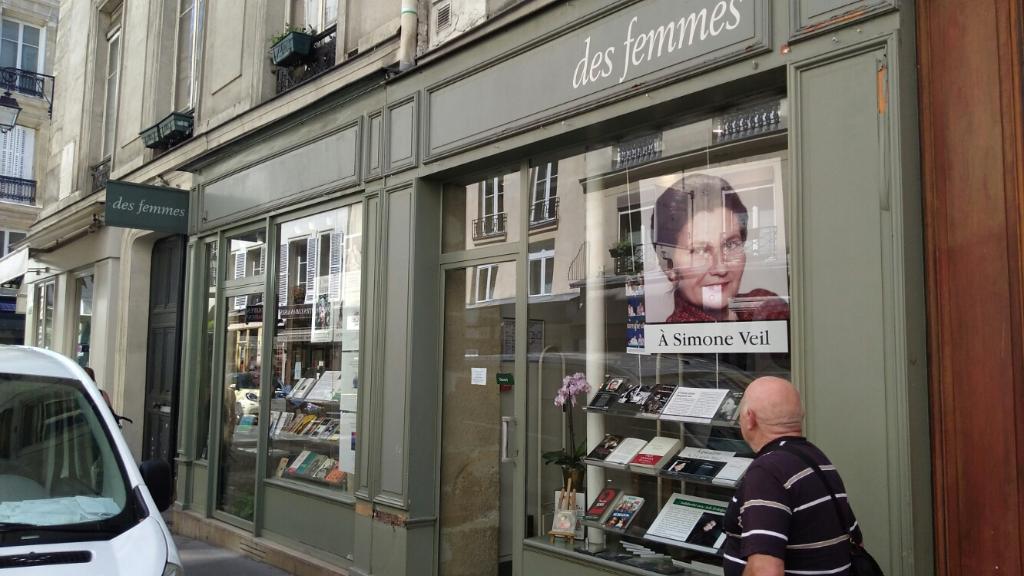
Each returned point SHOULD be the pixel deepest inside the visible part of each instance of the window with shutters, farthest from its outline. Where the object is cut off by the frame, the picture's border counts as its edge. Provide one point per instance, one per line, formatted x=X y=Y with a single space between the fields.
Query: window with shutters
x=17 y=148
x=21 y=46
x=247 y=258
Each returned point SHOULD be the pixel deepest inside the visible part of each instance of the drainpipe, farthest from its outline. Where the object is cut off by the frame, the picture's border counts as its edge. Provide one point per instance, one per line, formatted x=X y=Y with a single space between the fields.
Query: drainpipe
x=407 y=44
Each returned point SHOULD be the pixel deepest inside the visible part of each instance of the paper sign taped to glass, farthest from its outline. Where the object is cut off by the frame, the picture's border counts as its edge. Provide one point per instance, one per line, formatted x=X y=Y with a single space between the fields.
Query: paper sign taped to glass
x=716 y=277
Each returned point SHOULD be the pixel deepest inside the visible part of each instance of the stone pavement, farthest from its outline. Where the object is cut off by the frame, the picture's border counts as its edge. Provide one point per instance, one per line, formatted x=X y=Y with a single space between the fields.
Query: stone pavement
x=202 y=559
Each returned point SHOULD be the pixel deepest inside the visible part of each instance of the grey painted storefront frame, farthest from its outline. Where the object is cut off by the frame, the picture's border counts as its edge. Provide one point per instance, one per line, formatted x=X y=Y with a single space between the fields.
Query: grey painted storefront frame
x=374 y=544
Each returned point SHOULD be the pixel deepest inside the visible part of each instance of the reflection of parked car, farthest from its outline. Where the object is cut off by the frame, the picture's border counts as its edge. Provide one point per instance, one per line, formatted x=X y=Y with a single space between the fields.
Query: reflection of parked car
x=247 y=393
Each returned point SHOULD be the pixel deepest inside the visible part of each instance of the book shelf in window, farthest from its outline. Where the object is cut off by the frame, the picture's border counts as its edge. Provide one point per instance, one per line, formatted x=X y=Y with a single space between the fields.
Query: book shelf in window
x=669 y=498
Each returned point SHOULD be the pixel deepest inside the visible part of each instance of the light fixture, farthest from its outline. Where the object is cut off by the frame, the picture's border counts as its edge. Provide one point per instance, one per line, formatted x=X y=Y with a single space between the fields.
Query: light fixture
x=9 y=111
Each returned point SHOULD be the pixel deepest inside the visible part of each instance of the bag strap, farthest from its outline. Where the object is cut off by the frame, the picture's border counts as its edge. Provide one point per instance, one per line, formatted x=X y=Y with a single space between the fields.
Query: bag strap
x=821 y=476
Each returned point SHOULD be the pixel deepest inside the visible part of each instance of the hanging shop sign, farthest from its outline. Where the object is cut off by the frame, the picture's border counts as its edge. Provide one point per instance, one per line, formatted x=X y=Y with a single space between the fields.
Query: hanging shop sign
x=157 y=208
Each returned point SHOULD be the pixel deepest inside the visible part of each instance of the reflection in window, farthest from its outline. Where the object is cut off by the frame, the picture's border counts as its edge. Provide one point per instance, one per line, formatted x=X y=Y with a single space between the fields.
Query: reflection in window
x=45 y=294
x=544 y=201
x=240 y=407
x=312 y=424
x=542 y=265
x=692 y=243
x=486 y=279
x=206 y=353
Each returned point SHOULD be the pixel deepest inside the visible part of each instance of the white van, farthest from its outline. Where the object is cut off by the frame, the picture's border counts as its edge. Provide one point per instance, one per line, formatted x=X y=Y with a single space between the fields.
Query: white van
x=72 y=500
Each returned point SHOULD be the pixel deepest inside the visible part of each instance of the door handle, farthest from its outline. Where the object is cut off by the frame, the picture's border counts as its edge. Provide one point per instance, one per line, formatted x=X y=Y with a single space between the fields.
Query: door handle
x=507 y=455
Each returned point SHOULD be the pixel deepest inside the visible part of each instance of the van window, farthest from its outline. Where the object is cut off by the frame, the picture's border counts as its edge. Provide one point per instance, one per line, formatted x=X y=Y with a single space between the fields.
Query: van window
x=57 y=463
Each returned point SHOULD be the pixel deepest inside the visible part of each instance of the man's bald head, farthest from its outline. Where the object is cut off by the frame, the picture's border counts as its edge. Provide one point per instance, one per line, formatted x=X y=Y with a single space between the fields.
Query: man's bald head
x=773 y=409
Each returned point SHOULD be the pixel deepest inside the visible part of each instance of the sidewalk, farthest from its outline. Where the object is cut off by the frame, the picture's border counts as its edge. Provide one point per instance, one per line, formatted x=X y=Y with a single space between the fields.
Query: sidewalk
x=201 y=559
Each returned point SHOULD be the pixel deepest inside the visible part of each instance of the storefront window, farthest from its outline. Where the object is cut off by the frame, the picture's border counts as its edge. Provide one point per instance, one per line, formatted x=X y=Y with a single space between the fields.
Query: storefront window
x=206 y=352
x=312 y=424
x=83 y=291
x=484 y=212
x=241 y=404
x=667 y=295
x=45 y=294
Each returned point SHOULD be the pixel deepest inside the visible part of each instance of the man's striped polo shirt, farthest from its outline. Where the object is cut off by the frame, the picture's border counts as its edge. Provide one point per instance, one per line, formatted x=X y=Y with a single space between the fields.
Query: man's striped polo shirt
x=782 y=509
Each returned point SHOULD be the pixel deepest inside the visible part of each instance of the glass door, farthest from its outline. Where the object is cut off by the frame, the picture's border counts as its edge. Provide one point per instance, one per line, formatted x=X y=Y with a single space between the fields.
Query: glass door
x=477 y=448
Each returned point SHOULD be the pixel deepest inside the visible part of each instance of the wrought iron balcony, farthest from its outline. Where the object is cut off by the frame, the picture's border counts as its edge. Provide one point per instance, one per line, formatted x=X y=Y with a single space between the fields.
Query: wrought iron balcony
x=26 y=82
x=100 y=175
x=321 y=59
x=17 y=190
x=544 y=213
x=490 y=226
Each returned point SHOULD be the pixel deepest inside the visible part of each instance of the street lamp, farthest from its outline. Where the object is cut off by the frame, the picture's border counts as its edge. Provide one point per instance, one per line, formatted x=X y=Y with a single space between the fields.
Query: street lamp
x=9 y=111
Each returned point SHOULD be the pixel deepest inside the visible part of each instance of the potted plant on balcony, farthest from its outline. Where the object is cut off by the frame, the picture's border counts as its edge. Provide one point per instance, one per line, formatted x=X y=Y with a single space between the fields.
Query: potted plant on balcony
x=621 y=248
x=291 y=46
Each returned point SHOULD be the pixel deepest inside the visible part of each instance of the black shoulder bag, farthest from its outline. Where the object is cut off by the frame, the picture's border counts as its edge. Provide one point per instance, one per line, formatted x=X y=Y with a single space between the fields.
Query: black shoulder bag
x=861 y=563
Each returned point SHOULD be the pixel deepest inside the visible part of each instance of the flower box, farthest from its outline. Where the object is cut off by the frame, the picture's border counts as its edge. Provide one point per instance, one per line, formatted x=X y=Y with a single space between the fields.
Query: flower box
x=175 y=128
x=292 y=49
x=151 y=137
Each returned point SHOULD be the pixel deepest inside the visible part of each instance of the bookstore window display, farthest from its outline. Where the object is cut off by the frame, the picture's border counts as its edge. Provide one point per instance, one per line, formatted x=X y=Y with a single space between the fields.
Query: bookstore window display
x=312 y=424
x=686 y=306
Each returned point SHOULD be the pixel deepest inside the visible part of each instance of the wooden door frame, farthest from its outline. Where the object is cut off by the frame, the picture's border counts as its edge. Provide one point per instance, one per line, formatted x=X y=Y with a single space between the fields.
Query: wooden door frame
x=973 y=182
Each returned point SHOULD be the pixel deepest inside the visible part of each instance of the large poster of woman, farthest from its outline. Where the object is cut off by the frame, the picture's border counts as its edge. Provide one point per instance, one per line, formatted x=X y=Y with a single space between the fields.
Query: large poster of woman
x=715 y=268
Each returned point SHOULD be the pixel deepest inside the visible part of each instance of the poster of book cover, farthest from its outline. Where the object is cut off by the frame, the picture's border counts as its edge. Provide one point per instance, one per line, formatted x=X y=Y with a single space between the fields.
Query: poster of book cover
x=715 y=267
x=635 y=315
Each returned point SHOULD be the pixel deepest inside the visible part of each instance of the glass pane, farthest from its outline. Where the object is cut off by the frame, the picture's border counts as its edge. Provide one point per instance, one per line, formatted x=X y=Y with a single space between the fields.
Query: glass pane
x=673 y=276
x=29 y=58
x=313 y=413
x=241 y=405
x=248 y=255
x=30 y=36
x=183 y=84
x=10 y=30
x=9 y=53
x=110 y=104
x=83 y=288
x=206 y=354
x=479 y=359
x=330 y=12
x=481 y=213
x=44 y=306
x=59 y=467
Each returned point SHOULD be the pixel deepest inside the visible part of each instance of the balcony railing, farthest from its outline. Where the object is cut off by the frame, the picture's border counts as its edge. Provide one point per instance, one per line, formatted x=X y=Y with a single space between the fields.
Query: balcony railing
x=320 y=60
x=26 y=82
x=490 y=226
x=17 y=190
x=544 y=213
x=100 y=175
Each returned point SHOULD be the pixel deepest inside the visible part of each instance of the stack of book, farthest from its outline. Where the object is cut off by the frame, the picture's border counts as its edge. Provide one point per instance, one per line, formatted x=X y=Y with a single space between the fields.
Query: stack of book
x=313 y=466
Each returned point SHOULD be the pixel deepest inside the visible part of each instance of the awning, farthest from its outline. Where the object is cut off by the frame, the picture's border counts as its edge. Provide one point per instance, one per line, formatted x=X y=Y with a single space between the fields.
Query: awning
x=14 y=265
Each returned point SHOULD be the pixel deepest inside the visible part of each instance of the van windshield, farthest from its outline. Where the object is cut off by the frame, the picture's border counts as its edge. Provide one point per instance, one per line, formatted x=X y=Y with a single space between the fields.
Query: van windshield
x=57 y=463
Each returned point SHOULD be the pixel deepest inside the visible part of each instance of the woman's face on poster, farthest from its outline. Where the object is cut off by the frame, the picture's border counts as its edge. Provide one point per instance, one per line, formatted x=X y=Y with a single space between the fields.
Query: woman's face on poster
x=708 y=259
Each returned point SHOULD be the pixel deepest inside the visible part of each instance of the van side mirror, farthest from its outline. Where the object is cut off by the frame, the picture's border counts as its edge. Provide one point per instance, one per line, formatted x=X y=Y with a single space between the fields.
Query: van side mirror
x=157 y=476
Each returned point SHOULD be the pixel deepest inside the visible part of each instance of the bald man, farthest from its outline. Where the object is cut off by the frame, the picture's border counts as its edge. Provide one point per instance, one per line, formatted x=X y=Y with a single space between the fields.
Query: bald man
x=782 y=519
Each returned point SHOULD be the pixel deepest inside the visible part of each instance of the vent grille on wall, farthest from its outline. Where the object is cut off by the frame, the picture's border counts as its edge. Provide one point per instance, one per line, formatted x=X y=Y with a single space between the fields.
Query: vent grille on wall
x=444 y=16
